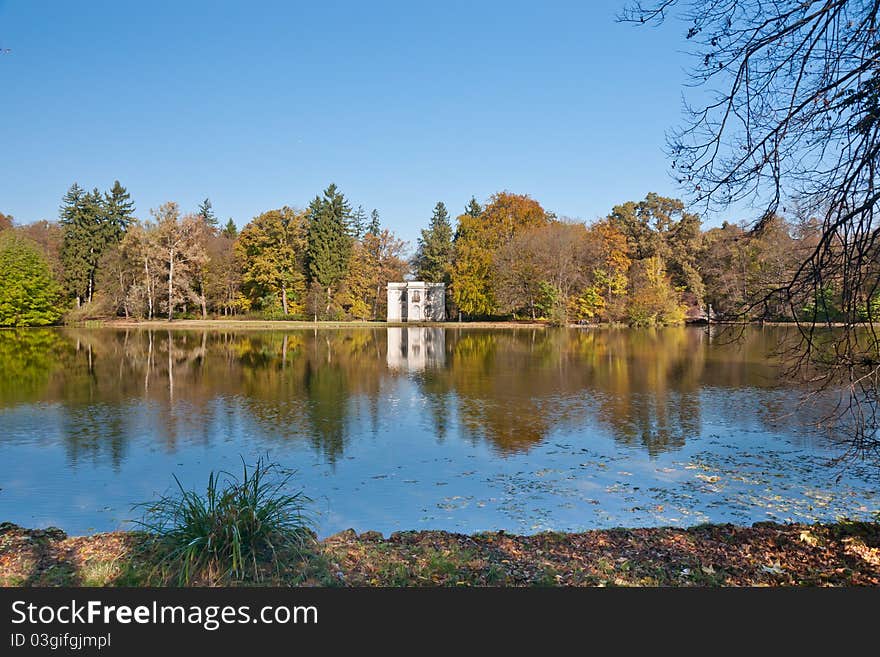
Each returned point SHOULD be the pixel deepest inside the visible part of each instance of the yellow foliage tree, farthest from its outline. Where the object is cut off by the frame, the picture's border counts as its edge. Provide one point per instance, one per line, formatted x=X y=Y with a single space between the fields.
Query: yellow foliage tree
x=477 y=241
x=652 y=299
x=271 y=250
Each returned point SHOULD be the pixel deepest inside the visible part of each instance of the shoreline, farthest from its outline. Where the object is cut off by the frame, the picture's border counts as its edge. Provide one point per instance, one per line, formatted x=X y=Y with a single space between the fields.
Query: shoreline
x=281 y=324
x=845 y=553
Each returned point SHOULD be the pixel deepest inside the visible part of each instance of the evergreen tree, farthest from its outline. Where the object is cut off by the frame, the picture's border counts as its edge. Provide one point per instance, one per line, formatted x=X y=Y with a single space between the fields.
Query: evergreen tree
x=329 y=243
x=473 y=209
x=206 y=212
x=91 y=222
x=374 y=228
x=80 y=218
x=433 y=260
x=230 y=230
x=119 y=212
x=29 y=295
x=358 y=224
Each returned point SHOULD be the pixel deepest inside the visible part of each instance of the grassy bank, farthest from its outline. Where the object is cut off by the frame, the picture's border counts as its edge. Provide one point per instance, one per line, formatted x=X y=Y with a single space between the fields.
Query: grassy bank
x=766 y=554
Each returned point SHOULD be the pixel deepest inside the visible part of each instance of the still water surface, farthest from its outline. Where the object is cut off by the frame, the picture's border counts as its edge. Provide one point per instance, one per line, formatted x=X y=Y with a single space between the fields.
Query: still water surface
x=414 y=428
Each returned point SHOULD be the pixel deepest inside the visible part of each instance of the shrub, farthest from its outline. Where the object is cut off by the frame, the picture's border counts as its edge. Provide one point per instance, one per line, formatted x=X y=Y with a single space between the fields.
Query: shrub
x=237 y=526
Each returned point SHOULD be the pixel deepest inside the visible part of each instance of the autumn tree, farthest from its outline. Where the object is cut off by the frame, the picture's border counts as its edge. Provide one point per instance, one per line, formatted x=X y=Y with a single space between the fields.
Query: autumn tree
x=182 y=253
x=5 y=221
x=545 y=268
x=652 y=299
x=204 y=233
x=377 y=258
x=358 y=285
x=518 y=276
x=610 y=274
x=661 y=227
x=141 y=250
x=117 y=275
x=477 y=240
x=271 y=251
x=223 y=274
x=386 y=253
x=740 y=266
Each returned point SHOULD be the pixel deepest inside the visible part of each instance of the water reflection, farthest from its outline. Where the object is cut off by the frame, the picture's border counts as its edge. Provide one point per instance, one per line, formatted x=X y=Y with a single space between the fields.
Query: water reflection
x=416 y=348
x=464 y=429
x=509 y=388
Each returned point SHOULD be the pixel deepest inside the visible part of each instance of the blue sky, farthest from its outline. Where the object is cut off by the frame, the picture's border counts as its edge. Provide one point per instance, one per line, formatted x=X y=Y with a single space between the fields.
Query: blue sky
x=401 y=104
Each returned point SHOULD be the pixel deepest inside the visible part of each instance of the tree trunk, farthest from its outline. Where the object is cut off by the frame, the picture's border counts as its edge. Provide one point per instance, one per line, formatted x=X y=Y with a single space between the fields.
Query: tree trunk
x=170 y=284
x=202 y=300
x=149 y=287
x=284 y=297
x=124 y=295
x=376 y=302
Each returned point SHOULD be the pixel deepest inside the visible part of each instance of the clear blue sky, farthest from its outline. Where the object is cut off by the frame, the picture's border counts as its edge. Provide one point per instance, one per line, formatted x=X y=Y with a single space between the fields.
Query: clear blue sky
x=402 y=104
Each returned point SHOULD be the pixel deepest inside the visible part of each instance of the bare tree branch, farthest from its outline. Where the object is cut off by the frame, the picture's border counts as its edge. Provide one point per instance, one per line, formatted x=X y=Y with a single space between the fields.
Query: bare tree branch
x=793 y=120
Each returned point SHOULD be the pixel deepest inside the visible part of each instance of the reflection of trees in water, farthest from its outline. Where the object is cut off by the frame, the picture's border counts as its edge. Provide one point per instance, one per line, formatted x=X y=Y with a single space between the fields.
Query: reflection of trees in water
x=27 y=358
x=94 y=433
x=648 y=383
x=306 y=390
x=514 y=387
x=510 y=388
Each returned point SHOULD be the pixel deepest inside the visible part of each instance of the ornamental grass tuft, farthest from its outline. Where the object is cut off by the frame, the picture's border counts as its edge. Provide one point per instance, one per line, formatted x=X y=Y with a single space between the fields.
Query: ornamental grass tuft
x=234 y=530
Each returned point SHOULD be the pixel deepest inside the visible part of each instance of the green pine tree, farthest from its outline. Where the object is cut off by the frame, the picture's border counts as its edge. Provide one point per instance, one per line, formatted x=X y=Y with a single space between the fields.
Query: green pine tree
x=78 y=218
x=358 y=227
x=29 y=294
x=230 y=230
x=119 y=211
x=473 y=208
x=91 y=222
x=374 y=228
x=433 y=260
x=206 y=212
x=329 y=242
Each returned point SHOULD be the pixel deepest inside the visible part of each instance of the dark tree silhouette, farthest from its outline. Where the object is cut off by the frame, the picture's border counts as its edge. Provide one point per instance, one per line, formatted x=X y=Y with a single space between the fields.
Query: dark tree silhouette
x=788 y=120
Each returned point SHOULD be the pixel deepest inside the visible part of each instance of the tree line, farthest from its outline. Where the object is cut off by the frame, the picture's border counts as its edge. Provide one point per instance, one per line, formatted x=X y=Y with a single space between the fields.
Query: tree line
x=648 y=262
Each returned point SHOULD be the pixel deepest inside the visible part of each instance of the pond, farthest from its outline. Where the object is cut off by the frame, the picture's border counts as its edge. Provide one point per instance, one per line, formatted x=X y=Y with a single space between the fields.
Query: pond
x=463 y=429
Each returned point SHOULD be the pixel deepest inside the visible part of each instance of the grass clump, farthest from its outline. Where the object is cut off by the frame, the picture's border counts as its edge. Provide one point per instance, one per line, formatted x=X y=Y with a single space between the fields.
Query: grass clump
x=234 y=530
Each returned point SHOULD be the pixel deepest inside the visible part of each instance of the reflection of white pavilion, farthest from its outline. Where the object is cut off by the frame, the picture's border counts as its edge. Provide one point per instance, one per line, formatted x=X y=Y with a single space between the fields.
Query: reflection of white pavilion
x=415 y=348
